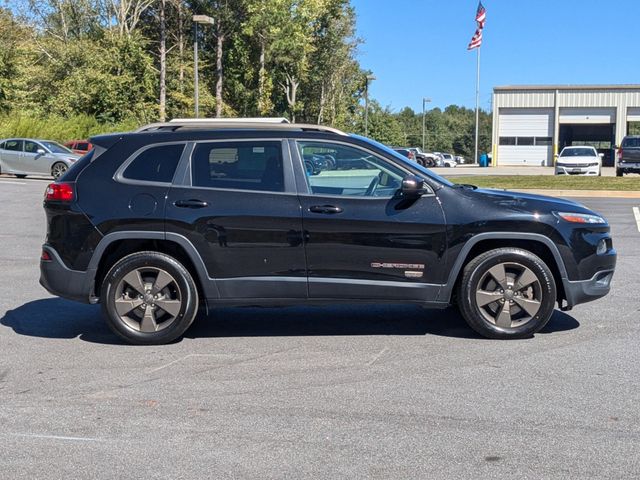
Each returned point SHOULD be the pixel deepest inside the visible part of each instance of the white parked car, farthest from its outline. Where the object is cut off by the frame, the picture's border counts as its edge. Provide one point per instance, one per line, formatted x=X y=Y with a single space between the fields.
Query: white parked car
x=579 y=161
x=446 y=160
x=26 y=156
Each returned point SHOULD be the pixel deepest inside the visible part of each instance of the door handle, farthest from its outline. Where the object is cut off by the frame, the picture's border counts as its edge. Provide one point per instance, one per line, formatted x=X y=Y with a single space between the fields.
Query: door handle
x=190 y=203
x=326 y=209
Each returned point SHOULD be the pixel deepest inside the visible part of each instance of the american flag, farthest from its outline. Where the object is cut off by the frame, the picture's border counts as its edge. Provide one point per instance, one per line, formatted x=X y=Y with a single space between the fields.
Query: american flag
x=481 y=18
x=481 y=15
x=476 y=41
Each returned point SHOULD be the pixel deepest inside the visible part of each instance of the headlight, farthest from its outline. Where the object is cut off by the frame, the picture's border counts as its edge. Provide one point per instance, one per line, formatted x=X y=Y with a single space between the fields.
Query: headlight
x=580 y=218
x=593 y=165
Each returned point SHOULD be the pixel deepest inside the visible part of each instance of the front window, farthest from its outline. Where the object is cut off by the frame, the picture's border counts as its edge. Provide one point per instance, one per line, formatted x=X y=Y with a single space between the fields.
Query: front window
x=335 y=169
x=414 y=166
x=55 y=147
x=578 y=152
x=31 y=147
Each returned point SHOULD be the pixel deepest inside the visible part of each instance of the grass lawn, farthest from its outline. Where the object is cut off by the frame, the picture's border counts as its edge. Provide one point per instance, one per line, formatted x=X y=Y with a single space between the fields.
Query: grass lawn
x=550 y=182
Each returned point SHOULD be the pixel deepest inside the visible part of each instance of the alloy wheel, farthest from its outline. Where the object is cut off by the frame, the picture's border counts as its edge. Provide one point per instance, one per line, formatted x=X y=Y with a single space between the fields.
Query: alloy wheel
x=58 y=170
x=148 y=299
x=509 y=295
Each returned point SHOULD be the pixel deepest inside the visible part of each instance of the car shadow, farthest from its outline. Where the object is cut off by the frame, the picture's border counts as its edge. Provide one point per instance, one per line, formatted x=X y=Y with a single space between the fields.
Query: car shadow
x=59 y=318
x=63 y=319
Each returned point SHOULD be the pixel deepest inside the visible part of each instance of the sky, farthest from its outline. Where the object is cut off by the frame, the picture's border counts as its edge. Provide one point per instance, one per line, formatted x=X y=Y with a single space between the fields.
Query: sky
x=418 y=48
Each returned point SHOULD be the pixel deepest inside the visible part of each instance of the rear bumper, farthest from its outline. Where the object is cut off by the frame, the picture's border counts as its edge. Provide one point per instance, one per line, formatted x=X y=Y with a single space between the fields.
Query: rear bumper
x=583 y=291
x=61 y=281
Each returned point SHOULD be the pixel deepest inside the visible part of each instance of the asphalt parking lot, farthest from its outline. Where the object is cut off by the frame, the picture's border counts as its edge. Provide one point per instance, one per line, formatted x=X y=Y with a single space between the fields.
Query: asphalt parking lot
x=334 y=392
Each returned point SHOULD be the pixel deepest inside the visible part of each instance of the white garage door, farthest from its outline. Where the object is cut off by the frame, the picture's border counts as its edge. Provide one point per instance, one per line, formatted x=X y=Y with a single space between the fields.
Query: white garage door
x=587 y=115
x=525 y=136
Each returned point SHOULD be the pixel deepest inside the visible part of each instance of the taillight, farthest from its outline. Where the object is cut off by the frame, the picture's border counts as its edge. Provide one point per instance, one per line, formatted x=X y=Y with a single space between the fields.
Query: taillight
x=59 y=192
x=620 y=152
x=45 y=257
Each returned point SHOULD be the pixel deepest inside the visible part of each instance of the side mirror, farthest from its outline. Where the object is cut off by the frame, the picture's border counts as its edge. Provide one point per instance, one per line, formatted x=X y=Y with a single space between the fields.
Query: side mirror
x=601 y=155
x=41 y=151
x=413 y=186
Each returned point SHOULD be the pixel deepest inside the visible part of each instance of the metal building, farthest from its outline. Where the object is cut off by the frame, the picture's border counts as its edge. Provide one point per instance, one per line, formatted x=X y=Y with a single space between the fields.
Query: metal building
x=531 y=124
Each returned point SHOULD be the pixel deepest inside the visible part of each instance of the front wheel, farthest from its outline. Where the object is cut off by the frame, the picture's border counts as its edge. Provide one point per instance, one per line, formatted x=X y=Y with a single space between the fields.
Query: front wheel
x=619 y=172
x=507 y=293
x=149 y=298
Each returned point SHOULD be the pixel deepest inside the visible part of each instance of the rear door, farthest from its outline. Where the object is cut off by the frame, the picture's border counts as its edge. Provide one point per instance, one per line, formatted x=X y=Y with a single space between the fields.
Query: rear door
x=11 y=155
x=363 y=241
x=237 y=204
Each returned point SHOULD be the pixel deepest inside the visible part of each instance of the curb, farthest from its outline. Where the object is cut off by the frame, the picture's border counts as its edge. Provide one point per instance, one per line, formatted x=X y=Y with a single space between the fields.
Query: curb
x=582 y=193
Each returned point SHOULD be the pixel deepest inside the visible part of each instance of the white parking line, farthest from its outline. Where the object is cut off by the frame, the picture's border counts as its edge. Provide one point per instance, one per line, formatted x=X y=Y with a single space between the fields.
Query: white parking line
x=636 y=213
x=12 y=182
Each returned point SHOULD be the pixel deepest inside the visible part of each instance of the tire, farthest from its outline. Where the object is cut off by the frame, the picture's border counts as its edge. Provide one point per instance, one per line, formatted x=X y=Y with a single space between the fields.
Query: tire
x=134 y=311
x=480 y=284
x=21 y=175
x=619 y=172
x=58 y=169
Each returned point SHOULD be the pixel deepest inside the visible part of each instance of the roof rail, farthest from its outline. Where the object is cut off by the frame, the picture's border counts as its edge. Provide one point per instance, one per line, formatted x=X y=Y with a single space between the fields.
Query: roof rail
x=231 y=120
x=236 y=124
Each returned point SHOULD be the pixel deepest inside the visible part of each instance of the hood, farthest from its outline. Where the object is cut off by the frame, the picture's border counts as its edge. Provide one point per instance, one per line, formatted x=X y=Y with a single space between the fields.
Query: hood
x=528 y=202
x=562 y=160
x=67 y=156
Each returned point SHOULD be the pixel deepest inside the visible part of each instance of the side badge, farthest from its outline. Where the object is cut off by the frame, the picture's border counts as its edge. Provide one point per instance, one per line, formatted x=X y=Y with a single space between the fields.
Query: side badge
x=410 y=274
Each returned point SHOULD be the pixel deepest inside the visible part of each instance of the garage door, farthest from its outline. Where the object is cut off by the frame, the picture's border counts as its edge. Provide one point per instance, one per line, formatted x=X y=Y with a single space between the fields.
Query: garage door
x=587 y=115
x=525 y=136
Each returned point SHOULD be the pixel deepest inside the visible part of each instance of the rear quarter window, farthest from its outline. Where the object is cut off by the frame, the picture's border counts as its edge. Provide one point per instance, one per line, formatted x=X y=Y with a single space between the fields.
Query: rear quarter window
x=155 y=164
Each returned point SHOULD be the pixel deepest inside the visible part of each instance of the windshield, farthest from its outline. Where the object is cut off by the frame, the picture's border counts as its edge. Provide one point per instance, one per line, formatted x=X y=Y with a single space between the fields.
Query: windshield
x=578 y=152
x=56 y=147
x=403 y=159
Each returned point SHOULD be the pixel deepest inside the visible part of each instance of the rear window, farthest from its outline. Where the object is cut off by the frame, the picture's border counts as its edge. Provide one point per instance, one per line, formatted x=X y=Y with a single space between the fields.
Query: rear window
x=631 y=142
x=155 y=164
x=13 y=145
x=239 y=166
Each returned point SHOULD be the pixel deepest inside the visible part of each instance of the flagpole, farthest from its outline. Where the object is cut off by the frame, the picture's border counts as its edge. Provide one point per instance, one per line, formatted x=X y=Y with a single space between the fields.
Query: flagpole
x=477 y=160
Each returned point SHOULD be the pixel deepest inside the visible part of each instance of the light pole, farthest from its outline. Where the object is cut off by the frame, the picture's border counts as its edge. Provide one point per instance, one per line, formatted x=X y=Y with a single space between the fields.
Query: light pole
x=424 y=130
x=367 y=79
x=205 y=20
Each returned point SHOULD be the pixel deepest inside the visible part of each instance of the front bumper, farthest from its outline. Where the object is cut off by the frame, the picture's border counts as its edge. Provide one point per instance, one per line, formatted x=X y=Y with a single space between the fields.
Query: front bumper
x=63 y=282
x=577 y=170
x=583 y=291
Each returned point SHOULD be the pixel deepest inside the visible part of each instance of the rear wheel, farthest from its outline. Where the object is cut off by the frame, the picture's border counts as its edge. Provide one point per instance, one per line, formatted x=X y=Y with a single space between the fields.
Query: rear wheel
x=507 y=293
x=619 y=172
x=58 y=169
x=21 y=176
x=149 y=298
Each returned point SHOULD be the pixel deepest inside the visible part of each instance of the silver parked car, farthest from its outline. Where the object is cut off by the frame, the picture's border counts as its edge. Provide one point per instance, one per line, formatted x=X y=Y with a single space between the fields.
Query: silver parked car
x=25 y=156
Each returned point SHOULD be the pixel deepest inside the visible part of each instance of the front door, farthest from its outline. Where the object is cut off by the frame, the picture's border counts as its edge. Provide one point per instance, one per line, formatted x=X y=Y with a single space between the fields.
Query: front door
x=239 y=208
x=363 y=241
x=34 y=162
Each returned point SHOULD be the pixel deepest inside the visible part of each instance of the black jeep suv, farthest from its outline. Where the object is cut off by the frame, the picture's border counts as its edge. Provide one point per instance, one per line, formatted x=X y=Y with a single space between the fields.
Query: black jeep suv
x=155 y=223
